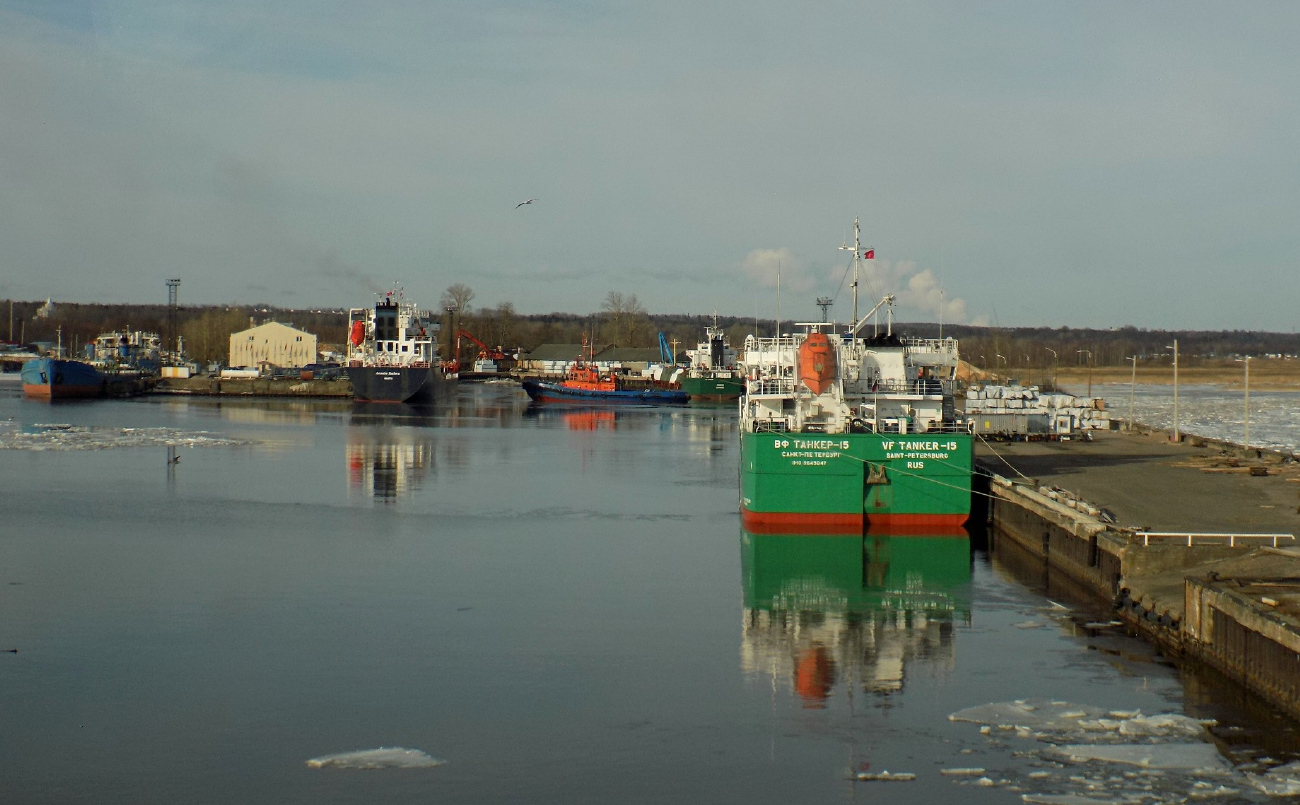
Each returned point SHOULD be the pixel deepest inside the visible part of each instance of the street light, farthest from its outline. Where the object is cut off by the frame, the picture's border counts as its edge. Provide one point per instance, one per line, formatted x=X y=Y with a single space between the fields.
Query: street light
x=1055 y=360
x=1177 y=437
x=1080 y=352
x=1131 y=384
x=1247 y=439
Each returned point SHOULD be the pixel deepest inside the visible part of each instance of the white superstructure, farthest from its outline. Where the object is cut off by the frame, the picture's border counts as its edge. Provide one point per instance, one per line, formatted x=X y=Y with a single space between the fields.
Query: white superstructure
x=394 y=332
x=831 y=378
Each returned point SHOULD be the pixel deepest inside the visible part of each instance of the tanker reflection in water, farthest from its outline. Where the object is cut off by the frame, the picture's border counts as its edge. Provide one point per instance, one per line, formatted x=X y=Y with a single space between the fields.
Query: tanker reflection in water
x=386 y=471
x=822 y=611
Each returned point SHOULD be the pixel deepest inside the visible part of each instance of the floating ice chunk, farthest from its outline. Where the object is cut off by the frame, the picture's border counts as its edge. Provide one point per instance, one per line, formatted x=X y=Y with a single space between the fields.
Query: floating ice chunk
x=385 y=757
x=985 y=781
x=1124 y=713
x=77 y=437
x=1049 y=716
x=1099 y=725
x=1204 y=790
x=886 y=777
x=1202 y=756
x=1164 y=724
x=1069 y=799
x=1283 y=781
x=1029 y=625
x=961 y=772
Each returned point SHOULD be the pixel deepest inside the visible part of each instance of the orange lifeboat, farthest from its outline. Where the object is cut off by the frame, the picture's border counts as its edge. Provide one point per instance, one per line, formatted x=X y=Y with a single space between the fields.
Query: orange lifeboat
x=817 y=362
x=358 y=333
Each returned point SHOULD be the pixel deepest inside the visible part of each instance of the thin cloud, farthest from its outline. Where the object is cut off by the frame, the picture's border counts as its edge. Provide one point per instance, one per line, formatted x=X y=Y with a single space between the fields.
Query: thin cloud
x=760 y=266
x=915 y=288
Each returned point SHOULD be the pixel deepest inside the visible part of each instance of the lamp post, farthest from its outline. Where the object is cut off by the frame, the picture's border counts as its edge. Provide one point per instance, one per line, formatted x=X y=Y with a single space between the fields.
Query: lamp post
x=1089 y=352
x=1177 y=437
x=1131 y=384
x=1055 y=360
x=1002 y=358
x=1248 y=401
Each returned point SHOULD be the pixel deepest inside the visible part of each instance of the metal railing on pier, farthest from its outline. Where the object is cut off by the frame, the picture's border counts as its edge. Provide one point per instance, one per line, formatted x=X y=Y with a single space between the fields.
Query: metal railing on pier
x=1198 y=538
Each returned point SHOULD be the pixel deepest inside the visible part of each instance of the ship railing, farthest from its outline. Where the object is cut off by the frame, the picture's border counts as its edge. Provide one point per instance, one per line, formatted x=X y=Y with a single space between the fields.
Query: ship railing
x=949 y=427
x=943 y=345
x=773 y=386
x=927 y=386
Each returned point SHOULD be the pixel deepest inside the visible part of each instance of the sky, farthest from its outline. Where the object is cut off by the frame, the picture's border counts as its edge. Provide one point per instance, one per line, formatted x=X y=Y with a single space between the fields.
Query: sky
x=1088 y=164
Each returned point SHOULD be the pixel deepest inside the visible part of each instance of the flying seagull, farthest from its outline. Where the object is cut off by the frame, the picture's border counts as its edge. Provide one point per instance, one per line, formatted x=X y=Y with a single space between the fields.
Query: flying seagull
x=522 y=203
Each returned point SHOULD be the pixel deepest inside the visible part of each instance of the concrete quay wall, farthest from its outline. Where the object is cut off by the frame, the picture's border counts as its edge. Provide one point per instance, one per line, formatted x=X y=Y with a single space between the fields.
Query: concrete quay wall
x=1236 y=609
x=1072 y=542
x=1245 y=637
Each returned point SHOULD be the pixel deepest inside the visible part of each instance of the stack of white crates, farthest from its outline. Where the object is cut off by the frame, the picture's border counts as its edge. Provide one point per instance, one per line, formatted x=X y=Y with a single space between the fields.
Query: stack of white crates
x=1058 y=414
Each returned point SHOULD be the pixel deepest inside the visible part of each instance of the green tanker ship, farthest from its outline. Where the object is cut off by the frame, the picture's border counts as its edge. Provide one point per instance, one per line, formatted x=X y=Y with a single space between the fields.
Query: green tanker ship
x=712 y=375
x=842 y=431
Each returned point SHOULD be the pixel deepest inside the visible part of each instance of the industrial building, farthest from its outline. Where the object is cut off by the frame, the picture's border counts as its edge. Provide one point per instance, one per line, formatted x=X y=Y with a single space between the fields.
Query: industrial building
x=272 y=343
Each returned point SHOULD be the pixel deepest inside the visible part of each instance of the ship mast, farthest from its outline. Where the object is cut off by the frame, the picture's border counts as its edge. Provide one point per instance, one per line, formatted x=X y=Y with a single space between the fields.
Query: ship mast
x=857 y=254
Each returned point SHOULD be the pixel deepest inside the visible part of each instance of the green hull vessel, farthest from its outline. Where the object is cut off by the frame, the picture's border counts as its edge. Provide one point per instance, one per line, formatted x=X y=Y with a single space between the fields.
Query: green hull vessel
x=714 y=388
x=845 y=428
x=849 y=482
x=712 y=375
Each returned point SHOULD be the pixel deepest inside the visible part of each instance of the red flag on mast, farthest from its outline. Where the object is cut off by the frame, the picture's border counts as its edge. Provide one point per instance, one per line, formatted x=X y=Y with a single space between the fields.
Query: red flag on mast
x=870 y=255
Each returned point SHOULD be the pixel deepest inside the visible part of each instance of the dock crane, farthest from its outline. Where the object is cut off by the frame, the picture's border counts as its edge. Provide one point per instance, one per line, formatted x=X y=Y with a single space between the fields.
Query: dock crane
x=485 y=353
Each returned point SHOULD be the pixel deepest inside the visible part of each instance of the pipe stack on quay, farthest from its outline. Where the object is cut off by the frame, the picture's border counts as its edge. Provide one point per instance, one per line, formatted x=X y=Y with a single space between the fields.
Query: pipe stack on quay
x=1191 y=542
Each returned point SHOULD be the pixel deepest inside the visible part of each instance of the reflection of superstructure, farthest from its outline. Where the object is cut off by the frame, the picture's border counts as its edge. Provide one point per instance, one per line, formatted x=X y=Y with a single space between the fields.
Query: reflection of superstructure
x=821 y=611
x=387 y=471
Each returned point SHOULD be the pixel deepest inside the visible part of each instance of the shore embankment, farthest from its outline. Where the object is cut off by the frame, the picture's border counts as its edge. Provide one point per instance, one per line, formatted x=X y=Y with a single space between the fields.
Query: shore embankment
x=254 y=387
x=1210 y=587
x=1266 y=374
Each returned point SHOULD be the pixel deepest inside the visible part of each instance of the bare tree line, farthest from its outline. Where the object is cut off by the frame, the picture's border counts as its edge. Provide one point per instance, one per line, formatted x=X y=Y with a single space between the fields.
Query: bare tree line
x=624 y=321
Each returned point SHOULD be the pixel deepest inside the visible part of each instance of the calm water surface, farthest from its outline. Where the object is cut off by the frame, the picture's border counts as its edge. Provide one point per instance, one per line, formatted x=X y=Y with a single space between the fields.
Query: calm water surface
x=558 y=603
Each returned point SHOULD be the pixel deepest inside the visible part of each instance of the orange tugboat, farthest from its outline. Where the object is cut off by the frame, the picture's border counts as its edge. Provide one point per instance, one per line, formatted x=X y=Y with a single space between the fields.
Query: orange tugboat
x=585 y=383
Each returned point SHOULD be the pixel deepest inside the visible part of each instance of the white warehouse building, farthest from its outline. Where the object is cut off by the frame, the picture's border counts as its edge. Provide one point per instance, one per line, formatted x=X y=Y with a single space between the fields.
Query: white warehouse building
x=274 y=343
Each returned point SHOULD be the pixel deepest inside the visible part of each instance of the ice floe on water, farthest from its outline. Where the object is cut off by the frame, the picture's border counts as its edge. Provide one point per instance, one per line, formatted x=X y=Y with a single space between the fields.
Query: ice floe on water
x=1203 y=756
x=79 y=437
x=1073 y=754
x=1283 y=781
x=385 y=757
x=1212 y=411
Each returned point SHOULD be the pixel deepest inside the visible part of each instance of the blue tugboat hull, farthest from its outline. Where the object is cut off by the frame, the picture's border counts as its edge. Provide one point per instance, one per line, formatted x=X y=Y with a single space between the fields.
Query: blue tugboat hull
x=541 y=391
